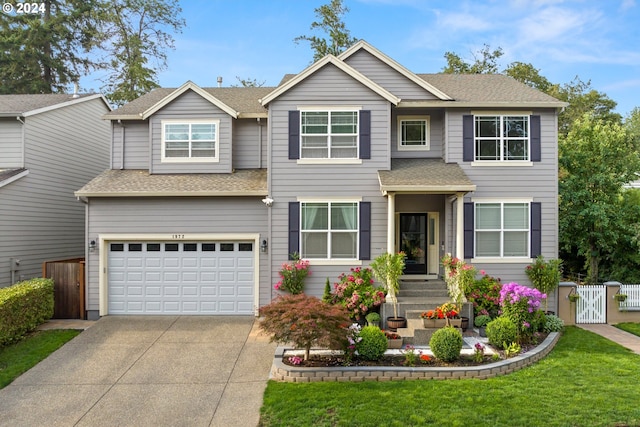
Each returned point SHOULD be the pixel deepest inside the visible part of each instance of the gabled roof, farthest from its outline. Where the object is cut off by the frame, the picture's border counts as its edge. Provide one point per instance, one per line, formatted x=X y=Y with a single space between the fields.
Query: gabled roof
x=140 y=183
x=29 y=105
x=242 y=100
x=189 y=85
x=330 y=59
x=363 y=45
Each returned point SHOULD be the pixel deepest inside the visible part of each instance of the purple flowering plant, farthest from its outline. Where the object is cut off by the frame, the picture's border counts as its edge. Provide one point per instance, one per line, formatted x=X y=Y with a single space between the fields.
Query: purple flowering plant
x=522 y=305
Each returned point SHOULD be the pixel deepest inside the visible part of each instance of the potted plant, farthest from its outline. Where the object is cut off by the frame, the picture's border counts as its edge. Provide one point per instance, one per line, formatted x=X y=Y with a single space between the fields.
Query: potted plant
x=545 y=276
x=394 y=340
x=388 y=268
x=373 y=319
x=620 y=297
x=573 y=297
x=481 y=323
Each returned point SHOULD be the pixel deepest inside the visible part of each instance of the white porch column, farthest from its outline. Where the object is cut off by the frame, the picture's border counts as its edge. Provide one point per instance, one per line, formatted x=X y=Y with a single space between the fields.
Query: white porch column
x=460 y=225
x=391 y=225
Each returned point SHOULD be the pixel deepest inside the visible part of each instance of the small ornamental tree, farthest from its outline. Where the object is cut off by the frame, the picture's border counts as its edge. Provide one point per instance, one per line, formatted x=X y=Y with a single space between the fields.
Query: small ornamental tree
x=305 y=321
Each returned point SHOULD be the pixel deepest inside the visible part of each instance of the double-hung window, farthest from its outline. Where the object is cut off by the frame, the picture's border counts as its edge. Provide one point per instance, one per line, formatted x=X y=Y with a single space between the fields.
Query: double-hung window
x=329 y=134
x=413 y=133
x=502 y=138
x=329 y=230
x=502 y=229
x=190 y=141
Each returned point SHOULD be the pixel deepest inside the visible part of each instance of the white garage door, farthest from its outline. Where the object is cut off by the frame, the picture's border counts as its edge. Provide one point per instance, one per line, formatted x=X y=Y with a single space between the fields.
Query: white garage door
x=181 y=277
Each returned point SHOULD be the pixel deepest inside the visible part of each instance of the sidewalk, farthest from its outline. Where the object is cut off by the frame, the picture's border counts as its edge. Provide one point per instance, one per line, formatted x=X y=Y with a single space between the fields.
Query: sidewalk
x=630 y=341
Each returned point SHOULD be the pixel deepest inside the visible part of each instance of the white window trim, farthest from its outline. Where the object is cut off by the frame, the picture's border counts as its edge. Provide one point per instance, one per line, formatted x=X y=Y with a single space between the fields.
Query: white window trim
x=502 y=257
x=214 y=159
x=329 y=260
x=502 y=161
x=330 y=160
x=427 y=146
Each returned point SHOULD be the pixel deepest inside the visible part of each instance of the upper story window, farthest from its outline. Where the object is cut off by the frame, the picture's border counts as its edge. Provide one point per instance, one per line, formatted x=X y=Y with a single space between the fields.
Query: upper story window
x=502 y=138
x=413 y=133
x=329 y=134
x=190 y=141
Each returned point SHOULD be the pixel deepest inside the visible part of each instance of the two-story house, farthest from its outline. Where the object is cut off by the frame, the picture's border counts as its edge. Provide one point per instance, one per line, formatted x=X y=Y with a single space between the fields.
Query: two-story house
x=50 y=145
x=211 y=189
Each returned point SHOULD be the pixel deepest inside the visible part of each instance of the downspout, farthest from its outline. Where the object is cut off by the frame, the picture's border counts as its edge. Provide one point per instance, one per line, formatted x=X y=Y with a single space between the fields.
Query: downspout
x=86 y=253
x=18 y=118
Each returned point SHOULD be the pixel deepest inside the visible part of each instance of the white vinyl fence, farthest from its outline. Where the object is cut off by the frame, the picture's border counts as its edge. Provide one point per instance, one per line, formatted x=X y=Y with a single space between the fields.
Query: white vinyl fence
x=591 y=307
x=633 y=297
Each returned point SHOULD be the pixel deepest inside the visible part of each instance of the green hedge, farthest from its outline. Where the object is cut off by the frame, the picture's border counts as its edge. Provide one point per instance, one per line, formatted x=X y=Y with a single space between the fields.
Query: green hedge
x=23 y=307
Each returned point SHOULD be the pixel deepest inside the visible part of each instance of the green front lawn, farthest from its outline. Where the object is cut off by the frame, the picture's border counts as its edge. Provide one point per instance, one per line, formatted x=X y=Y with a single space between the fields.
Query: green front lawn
x=632 y=328
x=22 y=356
x=585 y=381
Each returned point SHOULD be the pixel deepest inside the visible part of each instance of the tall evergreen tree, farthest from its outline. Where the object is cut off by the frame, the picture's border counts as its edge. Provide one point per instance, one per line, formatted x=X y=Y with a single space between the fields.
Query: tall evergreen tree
x=47 y=51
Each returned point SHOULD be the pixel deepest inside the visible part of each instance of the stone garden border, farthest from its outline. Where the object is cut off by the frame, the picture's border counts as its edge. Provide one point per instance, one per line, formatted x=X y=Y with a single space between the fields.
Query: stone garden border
x=285 y=373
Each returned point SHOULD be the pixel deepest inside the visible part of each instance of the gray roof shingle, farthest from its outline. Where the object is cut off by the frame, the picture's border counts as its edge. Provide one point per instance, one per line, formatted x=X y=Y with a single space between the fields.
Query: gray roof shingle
x=133 y=182
x=424 y=175
x=19 y=104
x=245 y=100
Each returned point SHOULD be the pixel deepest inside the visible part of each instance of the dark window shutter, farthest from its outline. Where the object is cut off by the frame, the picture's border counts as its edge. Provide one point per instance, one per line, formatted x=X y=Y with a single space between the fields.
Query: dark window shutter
x=294 y=135
x=468 y=230
x=536 y=149
x=365 y=230
x=294 y=228
x=365 y=134
x=536 y=229
x=467 y=138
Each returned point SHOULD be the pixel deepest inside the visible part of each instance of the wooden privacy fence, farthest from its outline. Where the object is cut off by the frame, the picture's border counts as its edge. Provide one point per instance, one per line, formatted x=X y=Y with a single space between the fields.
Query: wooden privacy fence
x=68 y=279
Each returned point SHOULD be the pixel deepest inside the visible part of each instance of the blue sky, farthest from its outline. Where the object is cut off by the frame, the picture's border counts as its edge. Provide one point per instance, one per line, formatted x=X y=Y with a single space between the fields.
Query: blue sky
x=597 y=40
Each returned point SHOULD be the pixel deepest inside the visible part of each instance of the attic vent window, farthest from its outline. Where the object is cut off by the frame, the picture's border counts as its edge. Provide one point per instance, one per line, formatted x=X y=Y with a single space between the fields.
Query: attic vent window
x=190 y=141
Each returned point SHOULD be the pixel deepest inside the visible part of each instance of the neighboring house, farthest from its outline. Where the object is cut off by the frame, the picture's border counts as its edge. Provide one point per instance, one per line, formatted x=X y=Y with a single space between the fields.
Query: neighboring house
x=50 y=145
x=212 y=189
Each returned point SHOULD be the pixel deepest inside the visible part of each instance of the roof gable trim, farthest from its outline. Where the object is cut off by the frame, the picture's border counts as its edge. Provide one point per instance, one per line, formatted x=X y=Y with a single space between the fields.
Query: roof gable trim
x=66 y=104
x=330 y=59
x=363 y=45
x=189 y=85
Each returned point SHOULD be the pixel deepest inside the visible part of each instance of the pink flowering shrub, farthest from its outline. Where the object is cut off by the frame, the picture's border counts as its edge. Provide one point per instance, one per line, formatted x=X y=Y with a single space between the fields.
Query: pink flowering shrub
x=355 y=292
x=484 y=294
x=522 y=304
x=292 y=275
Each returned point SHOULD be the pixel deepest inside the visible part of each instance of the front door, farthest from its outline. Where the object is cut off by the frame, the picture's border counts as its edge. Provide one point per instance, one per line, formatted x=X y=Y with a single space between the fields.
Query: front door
x=413 y=242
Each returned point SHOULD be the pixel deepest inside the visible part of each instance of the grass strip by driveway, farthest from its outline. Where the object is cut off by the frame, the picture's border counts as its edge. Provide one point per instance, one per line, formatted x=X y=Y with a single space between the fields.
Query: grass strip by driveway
x=632 y=328
x=586 y=380
x=23 y=355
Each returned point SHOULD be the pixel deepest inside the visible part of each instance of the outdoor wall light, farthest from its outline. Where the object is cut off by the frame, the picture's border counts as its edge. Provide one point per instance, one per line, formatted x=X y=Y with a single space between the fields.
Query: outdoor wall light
x=264 y=246
x=268 y=201
x=92 y=246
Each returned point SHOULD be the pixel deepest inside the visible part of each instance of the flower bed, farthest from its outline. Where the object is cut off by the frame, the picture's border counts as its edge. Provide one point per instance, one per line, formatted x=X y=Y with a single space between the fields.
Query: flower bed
x=283 y=372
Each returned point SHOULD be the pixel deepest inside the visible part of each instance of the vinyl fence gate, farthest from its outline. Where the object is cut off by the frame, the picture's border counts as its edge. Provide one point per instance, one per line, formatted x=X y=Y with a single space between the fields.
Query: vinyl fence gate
x=591 y=307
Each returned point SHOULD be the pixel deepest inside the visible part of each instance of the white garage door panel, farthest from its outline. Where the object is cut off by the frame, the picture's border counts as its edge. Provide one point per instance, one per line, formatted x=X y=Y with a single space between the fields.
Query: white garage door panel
x=155 y=278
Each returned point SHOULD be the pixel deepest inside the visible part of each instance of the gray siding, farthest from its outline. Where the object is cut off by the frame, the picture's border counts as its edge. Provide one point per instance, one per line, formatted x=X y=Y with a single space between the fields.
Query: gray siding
x=387 y=77
x=175 y=216
x=10 y=143
x=539 y=182
x=290 y=180
x=436 y=133
x=192 y=106
x=136 y=145
x=249 y=144
x=40 y=218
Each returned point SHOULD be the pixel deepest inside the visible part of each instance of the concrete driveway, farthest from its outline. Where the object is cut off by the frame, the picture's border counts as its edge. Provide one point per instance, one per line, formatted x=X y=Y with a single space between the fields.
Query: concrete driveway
x=147 y=371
